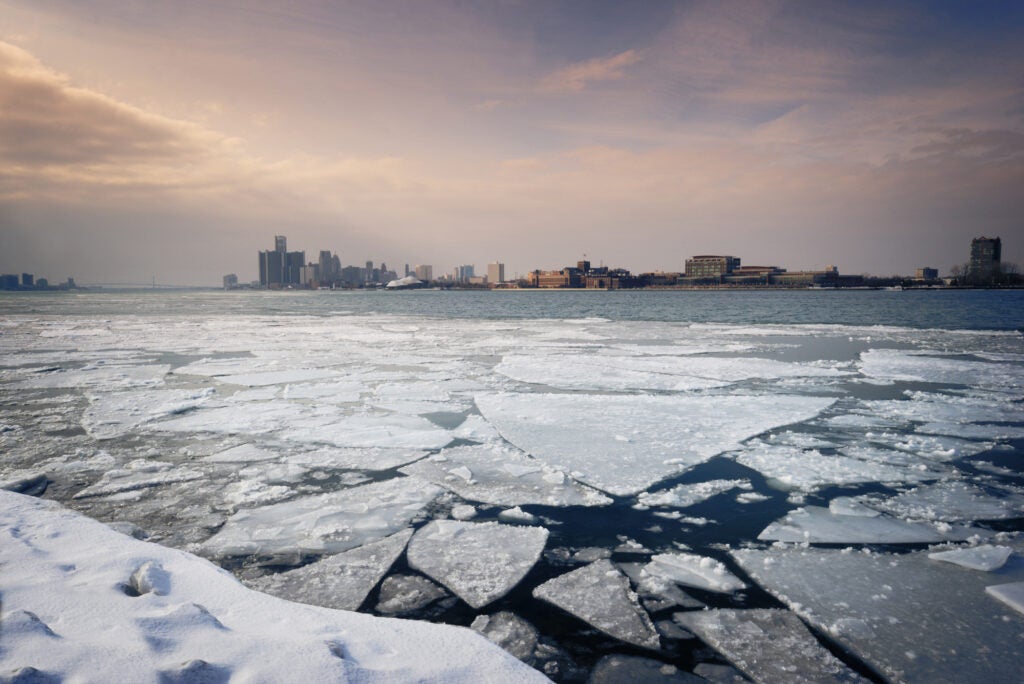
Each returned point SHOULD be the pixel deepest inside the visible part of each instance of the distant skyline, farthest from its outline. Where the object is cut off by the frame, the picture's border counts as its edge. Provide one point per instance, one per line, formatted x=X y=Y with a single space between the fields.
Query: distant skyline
x=173 y=140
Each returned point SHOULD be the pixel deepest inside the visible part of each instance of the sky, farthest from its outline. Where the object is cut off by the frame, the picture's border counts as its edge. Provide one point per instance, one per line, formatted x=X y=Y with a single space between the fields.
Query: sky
x=171 y=141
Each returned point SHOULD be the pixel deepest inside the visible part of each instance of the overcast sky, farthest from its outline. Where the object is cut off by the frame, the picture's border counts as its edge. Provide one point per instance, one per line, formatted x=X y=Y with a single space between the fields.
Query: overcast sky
x=175 y=139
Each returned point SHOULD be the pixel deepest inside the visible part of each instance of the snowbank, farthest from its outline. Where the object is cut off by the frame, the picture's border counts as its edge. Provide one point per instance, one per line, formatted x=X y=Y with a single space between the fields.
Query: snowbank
x=83 y=602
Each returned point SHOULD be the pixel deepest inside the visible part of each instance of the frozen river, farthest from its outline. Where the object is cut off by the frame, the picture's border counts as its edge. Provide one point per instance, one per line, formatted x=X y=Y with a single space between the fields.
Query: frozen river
x=787 y=485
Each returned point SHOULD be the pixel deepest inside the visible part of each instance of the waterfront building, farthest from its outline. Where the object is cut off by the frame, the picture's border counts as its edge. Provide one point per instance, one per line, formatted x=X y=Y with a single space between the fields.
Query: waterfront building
x=424 y=272
x=927 y=273
x=711 y=266
x=230 y=281
x=495 y=273
x=986 y=254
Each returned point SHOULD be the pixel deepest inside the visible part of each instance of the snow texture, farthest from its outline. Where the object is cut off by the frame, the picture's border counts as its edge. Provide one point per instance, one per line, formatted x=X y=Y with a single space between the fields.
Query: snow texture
x=986 y=557
x=818 y=525
x=69 y=615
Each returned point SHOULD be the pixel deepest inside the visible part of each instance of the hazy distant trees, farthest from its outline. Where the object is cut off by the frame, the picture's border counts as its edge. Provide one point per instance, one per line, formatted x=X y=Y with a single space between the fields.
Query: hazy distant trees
x=1008 y=274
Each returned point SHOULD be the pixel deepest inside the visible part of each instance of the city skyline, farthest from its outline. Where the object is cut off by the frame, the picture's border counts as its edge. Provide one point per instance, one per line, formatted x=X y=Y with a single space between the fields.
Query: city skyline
x=166 y=141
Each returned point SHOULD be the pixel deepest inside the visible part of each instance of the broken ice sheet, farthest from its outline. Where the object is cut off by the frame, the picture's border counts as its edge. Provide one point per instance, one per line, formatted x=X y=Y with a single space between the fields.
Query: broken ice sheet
x=367 y=430
x=341 y=581
x=99 y=375
x=503 y=476
x=113 y=414
x=624 y=444
x=353 y=458
x=818 y=525
x=954 y=501
x=767 y=645
x=985 y=557
x=791 y=468
x=684 y=495
x=325 y=523
x=923 y=366
x=912 y=618
x=600 y=595
x=402 y=594
x=693 y=570
x=139 y=474
x=479 y=562
x=514 y=634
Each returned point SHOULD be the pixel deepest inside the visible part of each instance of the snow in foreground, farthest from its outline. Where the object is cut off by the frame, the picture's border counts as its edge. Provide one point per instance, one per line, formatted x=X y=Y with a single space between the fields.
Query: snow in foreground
x=83 y=602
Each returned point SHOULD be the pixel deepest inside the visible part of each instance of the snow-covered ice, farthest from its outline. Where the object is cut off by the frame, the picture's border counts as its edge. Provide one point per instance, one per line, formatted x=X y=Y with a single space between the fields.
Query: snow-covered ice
x=624 y=444
x=503 y=476
x=72 y=612
x=341 y=581
x=692 y=570
x=401 y=594
x=768 y=645
x=808 y=470
x=324 y=523
x=912 y=618
x=685 y=495
x=599 y=594
x=985 y=557
x=821 y=526
x=479 y=562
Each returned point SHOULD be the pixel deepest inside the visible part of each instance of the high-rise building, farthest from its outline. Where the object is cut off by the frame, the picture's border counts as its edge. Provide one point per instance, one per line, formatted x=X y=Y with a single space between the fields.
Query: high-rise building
x=986 y=254
x=462 y=274
x=495 y=273
x=326 y=263
x=424 y=272
x=280 y=243
x=230 y=281
x=274 y=265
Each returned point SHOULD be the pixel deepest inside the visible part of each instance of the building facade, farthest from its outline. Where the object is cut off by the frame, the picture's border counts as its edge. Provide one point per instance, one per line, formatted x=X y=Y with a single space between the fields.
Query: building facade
x=495 y=273
x=711 y=266
x=986 y=255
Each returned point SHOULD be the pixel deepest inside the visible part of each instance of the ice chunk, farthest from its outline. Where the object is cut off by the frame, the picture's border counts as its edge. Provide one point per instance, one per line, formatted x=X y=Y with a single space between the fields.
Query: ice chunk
x=118 y=413
x=476 y=429
x=793 y=468
x=325 y=523
x=685 y=495
x=674 y=373
x=243 y=453
x=600 y=595
x=1012 y=594
x=366 y=458
x=954 y=501
x=139 y=474
x=913 y=619
x=577 y=433
x=503 y=476
x=278 y=377
x=920 y=366
x=615 y=669
x=767 y=645
x=341 y=581
x=403 y=594
x=370 y=430
x=517 y=515
x=693 y=571
x=514 y=634
x=463 y=512
x=985 y=557
x=480 y=562
x=105 y=376
x=820 y=526
x=66 y=569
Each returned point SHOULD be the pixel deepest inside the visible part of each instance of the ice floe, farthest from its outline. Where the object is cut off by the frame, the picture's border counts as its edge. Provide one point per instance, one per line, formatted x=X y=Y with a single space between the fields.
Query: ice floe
x=514 y=634
x=985 y=557
x=71 y=614
x=137 y=475
x=818 y=525
x=684 y=495
x=953 y=501
x=768 y=645
x=624 y=444
x=915 y=620
x=341 y=581
x=479 y=562
x=324 y=523
x=924 y=366
x=692 y=570
x=600 y=595
x=113 y=414
x=808 y=470
x=403 y=594
x=503 y=476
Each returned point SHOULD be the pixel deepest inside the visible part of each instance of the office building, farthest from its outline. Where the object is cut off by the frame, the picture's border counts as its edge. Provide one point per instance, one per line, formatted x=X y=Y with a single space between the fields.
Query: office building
x=230 y=281
x=496 y=273
x=927 y=273
x=711 y=266
x=424 y=272
x=986 y=254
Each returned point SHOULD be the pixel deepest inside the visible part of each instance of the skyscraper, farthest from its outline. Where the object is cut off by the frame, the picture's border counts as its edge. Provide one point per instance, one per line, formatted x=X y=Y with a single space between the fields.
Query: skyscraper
x=280 y=243
x=986 y=254
x=495 y=273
